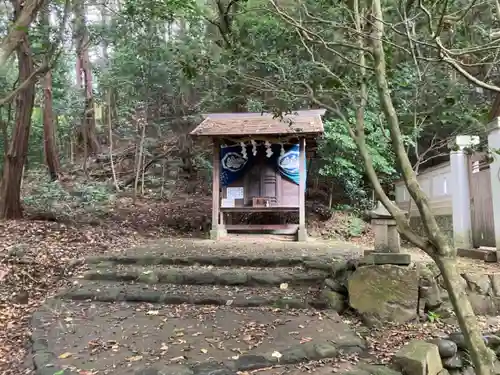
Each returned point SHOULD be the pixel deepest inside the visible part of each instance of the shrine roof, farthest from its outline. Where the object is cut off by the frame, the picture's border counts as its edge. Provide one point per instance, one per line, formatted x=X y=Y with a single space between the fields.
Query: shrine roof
x=303 y=122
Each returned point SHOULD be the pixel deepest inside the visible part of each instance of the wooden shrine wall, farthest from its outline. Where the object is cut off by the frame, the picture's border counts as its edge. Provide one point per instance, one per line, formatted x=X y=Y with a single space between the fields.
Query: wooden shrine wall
x=263 y=180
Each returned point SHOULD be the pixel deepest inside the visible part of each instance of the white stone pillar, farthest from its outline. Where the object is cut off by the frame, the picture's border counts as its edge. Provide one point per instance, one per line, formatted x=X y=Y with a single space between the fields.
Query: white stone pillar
x=459 y=162
x=494 y=147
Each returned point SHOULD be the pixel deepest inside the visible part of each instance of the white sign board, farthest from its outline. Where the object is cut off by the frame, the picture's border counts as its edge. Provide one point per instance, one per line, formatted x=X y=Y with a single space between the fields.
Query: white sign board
x=235 y=193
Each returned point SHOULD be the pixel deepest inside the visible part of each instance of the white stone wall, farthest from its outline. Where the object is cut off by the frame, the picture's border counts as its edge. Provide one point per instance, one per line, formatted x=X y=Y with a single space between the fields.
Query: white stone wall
x=436 y=183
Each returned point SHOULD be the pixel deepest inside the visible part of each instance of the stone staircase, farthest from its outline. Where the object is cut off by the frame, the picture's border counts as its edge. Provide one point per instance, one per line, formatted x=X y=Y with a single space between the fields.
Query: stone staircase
x=243 y=281
x=163 y=313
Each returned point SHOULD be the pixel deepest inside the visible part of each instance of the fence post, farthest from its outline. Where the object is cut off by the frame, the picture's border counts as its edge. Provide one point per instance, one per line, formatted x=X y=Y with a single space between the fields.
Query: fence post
x=494 y=147
x=459 y=163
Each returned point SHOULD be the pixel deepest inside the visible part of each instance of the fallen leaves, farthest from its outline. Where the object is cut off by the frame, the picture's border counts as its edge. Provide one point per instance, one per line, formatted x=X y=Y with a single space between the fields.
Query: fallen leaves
x=134 y=358
x=65 y=355
x=276 y=355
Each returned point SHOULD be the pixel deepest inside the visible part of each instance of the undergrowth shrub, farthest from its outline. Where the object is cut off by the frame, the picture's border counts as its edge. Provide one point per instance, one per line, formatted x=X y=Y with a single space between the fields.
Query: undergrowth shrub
x=65 y=200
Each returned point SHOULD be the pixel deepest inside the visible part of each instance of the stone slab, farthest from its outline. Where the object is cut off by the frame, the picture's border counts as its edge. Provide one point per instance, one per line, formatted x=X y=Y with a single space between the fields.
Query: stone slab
x=378 y=258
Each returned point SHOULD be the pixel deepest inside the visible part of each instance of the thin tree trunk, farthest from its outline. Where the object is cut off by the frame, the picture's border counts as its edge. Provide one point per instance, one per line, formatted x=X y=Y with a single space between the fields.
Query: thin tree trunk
x=142 y=121
x=110 y=127
x=10 y=193
x=51 y=156
x=437 y=246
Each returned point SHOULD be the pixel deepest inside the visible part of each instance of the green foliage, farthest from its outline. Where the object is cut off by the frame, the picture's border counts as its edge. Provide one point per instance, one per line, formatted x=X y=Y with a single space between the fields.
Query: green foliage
x=53 y=197
x=342 y=162
x=433 y=317
x=356 y=226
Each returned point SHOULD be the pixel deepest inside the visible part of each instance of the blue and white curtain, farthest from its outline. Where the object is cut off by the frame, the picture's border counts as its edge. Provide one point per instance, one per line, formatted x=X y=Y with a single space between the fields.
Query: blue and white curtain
x=236 y=160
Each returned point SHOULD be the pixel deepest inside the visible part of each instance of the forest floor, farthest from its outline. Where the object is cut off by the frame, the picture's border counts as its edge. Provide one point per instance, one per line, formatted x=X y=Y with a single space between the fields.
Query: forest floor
x=36 y=261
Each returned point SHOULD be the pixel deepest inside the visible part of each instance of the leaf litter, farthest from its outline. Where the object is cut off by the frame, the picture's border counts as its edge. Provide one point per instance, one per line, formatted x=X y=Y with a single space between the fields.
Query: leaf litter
x=36 y=259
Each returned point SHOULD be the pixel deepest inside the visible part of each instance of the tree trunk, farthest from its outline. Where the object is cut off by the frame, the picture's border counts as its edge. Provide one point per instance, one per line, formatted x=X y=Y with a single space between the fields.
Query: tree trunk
x=17 y=32
x=87 y=133
x=49 y=142
x=10 y=192
x=437 y=244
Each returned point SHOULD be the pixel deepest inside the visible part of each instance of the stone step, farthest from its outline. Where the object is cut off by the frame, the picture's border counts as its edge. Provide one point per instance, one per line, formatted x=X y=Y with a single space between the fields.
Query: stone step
x=206 y=260
x=108 y=291
x=198 y=275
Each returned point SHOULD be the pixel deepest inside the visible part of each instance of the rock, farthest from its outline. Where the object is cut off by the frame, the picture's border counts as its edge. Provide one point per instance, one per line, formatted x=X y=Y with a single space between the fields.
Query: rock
x=211 y=368
x=325 y=350
x=290 y=303
x=266 y=278
x=384 y=293
x=495 y=284
x=447 y=348
x=335 y=286
x=493 y=341
x=453 y=363
x=469 y=370
x=478 y=283
x=367 y=369
x=148 y=278
x=459 y=339
x=200 y=278
x=418 y=358
x=318 y=265
x=483 y=304
x=249 y=362
x=147 y=371
x=295 y=354
x=232 y=278
x=333 y=300
x=444 y=372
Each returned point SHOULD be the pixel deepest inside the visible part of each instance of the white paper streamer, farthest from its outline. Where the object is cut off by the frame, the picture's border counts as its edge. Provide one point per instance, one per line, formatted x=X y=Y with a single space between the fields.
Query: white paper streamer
x=269 y=151
x=254 y=147
x=243 y=150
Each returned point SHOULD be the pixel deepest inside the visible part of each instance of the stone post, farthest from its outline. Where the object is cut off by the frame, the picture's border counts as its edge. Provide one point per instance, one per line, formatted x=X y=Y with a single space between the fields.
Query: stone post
x=494 y=146
x=387 y=240
x=386 y=232
x=461 y=205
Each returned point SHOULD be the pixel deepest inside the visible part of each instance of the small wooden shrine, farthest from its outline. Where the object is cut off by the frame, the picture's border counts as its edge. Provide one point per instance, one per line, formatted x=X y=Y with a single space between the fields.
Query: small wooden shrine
x=259 y=165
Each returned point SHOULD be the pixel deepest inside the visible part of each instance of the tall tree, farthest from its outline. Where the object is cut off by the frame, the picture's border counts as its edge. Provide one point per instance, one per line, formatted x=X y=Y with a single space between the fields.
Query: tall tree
x=10 y=199
x=49 y=142
x=87 y=131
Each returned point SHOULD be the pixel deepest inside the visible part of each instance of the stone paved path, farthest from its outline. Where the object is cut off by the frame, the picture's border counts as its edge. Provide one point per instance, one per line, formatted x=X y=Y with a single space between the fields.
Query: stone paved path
x=216 y=307
x=123 y=338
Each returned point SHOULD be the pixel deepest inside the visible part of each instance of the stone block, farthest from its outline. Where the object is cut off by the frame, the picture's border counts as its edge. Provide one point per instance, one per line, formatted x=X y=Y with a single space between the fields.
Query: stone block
x=384 y=293
x=302 y=235
x=333 y=300
x=490 y=256
x=217 y=234
x=387 y=258
x=418 y=358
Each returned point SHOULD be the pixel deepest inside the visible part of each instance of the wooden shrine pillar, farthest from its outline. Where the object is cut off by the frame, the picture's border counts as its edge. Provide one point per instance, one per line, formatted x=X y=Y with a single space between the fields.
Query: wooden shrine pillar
x=302 y=231
x=218 y=229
